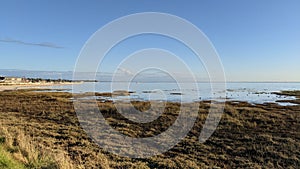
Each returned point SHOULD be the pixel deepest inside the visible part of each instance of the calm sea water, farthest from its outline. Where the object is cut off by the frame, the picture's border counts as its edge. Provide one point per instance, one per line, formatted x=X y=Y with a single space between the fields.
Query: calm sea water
x=189 y=92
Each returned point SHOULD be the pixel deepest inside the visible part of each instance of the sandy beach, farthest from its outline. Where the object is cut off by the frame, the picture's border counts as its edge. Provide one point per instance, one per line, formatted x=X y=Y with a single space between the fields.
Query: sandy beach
x=33 y=85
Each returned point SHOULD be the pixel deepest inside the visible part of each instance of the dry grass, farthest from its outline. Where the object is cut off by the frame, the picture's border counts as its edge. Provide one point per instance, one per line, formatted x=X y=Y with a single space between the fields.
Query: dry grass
x=32 y=154
x=41 y=129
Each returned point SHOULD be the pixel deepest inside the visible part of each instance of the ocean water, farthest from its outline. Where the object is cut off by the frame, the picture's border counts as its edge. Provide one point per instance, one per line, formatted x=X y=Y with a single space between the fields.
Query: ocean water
x=256 y=93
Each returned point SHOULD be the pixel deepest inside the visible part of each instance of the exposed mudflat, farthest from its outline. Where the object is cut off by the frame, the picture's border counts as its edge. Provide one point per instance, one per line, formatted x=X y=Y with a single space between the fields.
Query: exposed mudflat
x=248 y=136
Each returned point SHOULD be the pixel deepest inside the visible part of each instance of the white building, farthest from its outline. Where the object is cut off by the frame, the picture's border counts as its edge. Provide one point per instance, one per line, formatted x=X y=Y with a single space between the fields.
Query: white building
x=13 y=80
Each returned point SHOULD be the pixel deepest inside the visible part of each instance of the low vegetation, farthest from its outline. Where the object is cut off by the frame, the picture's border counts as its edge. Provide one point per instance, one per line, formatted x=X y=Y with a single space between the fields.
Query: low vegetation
x=7 y=161
x=41 y=130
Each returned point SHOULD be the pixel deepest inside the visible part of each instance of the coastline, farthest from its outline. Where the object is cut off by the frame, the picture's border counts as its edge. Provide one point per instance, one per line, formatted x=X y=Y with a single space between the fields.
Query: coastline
x=4 y=87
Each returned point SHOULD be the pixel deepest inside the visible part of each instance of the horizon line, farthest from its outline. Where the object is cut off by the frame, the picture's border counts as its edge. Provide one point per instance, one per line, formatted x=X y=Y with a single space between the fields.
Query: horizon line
x=159 y=81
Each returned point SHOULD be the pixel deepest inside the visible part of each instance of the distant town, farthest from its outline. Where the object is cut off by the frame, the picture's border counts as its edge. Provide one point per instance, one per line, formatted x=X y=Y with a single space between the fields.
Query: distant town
x=23 y=80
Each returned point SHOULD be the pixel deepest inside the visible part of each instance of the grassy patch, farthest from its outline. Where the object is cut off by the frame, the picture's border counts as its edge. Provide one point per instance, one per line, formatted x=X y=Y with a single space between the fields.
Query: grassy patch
x=7 y=161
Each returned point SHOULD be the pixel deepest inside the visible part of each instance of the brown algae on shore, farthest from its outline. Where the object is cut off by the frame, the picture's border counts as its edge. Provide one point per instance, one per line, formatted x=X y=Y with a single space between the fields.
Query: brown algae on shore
x=248 y=136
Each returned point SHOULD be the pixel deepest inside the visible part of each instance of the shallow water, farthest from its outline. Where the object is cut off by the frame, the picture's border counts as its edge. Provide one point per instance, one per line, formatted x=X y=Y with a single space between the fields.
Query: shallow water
x=256 y=93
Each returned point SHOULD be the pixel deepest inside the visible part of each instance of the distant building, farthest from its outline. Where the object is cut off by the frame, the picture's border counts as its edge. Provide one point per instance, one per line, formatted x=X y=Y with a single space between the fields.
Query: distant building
x=14 y=80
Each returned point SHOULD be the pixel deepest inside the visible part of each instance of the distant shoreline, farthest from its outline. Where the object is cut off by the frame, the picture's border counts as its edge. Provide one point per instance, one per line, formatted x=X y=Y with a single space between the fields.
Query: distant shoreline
x=4 y=87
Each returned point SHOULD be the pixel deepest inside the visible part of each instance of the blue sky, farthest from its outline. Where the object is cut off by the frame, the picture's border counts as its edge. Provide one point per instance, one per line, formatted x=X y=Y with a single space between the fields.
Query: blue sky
x=256 y=40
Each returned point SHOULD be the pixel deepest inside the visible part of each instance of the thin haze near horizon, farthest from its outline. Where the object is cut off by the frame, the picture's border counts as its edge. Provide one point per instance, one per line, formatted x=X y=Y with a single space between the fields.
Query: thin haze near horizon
x=256 y=40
